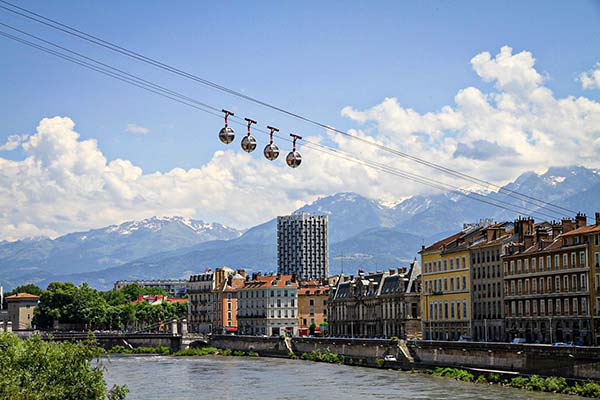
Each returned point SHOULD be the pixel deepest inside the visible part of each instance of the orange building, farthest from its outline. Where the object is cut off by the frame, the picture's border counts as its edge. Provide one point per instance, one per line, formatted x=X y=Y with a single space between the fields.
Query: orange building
x=312 y=308
x=225 y=304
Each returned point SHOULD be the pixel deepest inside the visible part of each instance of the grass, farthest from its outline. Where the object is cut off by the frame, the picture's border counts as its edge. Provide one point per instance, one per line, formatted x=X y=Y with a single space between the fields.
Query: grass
x=531 y=383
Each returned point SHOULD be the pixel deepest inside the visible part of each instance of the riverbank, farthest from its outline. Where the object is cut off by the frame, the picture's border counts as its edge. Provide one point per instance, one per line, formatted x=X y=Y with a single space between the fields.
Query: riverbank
x=577 y=363
x=557 y=385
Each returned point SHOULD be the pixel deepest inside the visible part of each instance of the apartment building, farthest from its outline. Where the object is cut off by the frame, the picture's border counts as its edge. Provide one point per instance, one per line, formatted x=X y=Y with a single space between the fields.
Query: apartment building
x=549 y=283
x=268 y=305
x=302 y=246
x=487 y=283
x=225 y=305
x=312 y=309
x=446 y=296
x=202 y=298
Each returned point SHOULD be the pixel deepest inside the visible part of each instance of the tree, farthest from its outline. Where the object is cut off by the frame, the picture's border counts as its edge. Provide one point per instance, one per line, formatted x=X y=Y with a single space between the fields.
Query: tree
x=312 y=328
x=36 y=370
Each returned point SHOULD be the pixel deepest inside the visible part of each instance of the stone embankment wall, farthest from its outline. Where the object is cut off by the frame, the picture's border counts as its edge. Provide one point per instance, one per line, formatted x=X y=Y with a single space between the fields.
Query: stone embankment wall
x=569 y=362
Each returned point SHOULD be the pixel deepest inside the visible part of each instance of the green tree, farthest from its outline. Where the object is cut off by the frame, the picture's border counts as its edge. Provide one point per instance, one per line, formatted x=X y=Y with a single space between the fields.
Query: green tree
x=36 y=370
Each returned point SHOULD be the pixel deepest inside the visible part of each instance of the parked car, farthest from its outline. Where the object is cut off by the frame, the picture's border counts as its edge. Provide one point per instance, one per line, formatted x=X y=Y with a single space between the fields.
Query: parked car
x=390 y=357
x=519 y=340
x=464 y=338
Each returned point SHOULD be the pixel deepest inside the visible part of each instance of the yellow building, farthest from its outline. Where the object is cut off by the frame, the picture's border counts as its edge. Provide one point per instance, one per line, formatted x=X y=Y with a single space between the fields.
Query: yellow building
x=446 y=286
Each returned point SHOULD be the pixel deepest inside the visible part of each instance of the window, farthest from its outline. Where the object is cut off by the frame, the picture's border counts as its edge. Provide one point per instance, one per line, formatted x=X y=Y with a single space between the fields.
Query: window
x=541 y=264
x=582 y=282
x=558 y=309
x=519 y=267
x=574 y=283
x=566 y=309
x=464 y=279
x=584 y=310
x=445 y=265
x=520 y=308
x=549 y=286
x=452 y=284
x=533 y=265
x=534 y=286
x=597 y=257
x=534 y=304
x=556 y=262
x=445 y=284
x=452 y=310
x=575 y=307
x=565 y=261
x=520 y=286
x=311 y=302
x=464 y=309
x=513 y=308
x=573 y=260
x=557 y=284
x=526 y=265
x=566 y=284
x=542 y=307
x=445 y=310
x=512 y=267
x=550 y=307
x=464 y=262
x=451 y=264
x=582 y=262
x=512 y=288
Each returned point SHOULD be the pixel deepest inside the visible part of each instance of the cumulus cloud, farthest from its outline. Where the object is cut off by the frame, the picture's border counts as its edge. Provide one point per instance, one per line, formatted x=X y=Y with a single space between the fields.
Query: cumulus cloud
x=13 y=142
x=65 y=183
x=591 y=78
x=496 y=135
x=134 y=128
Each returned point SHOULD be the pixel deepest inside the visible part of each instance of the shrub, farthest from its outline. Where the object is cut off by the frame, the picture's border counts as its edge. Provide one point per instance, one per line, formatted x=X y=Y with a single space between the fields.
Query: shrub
x=252 y=354
x=481 y=379
x=380 y=362
x=588 y=389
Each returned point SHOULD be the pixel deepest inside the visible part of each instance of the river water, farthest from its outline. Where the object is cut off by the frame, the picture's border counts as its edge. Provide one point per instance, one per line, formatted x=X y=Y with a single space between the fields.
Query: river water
x=214 y=377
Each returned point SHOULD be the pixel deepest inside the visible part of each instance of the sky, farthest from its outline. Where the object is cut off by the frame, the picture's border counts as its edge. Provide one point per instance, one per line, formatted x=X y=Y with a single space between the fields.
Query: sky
x=492 y=89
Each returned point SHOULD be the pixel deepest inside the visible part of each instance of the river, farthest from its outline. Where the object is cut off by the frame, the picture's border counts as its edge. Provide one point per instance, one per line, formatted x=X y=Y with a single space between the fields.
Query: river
x=214 y=377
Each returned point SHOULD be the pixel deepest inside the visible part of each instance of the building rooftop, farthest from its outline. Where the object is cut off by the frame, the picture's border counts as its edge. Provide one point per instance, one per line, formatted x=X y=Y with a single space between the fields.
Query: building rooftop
x=19 y=296
x=271 y=281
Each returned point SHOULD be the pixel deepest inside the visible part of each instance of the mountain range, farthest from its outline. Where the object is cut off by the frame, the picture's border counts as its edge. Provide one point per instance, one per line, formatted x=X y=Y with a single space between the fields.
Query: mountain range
x=363 y=233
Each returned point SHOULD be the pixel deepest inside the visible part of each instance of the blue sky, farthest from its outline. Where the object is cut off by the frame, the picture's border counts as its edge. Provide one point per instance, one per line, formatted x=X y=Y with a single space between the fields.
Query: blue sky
x=314 y=58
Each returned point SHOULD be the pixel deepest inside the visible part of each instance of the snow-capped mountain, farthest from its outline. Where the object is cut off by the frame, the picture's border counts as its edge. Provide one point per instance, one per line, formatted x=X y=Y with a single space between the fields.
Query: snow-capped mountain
x=363 y=233
x=105 y=247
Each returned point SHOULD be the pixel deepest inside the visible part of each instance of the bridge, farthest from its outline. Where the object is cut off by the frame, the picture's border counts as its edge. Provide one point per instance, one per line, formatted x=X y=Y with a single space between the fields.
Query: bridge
x=175 y=338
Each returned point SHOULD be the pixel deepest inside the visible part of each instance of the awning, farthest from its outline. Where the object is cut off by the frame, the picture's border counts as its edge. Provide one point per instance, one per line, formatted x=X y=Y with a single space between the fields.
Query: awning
x=231 y=329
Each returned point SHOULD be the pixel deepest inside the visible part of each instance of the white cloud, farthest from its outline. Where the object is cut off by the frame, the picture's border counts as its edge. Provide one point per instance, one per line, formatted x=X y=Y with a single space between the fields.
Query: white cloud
x=66 y=184
x=13 y=142
x=134 y=128
x=591 y=78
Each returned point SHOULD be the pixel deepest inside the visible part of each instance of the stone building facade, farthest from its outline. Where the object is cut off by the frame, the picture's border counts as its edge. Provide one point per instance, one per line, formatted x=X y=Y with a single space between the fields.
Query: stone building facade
x=302 y=246
x=379 y=304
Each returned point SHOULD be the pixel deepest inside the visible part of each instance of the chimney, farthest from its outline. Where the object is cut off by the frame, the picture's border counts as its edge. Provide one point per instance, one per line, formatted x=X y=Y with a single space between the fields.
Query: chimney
x=423 y=246
x=541 y=234
x=294 y=277
x=567 y=225
x=556 y=230
x=580 y=220
x=528 y=240
x=361 y=273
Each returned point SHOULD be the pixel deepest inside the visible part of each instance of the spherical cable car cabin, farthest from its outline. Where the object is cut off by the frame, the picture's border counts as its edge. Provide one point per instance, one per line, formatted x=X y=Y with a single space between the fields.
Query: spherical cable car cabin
x=226 y=135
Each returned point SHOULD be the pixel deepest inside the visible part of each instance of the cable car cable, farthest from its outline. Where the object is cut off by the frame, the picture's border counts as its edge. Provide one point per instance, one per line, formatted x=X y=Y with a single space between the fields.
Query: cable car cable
x=149 y=86
x=109 y=45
